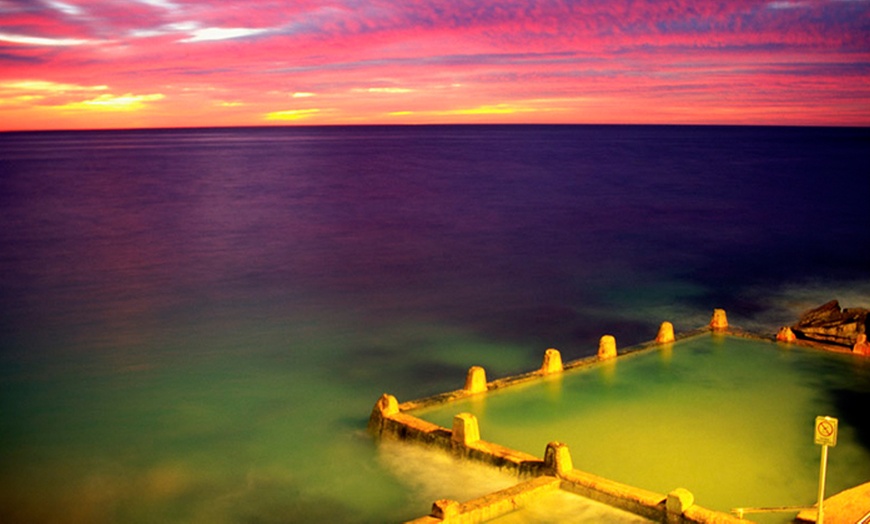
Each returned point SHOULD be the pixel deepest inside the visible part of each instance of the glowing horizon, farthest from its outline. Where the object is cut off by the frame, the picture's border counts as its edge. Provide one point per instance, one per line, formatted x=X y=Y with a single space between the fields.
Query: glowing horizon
x=78 y=64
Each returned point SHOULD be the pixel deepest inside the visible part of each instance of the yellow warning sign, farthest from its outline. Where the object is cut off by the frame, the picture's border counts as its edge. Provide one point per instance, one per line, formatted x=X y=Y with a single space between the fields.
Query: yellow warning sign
x=826 y=431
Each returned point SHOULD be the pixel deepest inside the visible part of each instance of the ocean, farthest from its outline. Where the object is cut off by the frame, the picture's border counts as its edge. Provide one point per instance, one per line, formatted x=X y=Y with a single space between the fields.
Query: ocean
x=196 y=323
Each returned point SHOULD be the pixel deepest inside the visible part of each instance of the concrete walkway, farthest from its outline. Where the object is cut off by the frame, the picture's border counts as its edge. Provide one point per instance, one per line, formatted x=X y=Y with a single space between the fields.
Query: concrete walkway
x=847 y=507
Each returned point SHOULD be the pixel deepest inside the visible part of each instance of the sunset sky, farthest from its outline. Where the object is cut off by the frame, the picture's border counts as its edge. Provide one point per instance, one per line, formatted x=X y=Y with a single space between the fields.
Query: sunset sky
x=70 y=64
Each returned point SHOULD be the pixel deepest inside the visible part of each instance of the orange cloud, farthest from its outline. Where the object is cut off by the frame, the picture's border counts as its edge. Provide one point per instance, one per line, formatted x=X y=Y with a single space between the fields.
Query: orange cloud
x=291 y=114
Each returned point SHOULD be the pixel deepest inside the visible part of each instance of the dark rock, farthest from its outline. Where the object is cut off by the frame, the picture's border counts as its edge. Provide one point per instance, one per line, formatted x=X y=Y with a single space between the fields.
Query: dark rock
x=830 y=324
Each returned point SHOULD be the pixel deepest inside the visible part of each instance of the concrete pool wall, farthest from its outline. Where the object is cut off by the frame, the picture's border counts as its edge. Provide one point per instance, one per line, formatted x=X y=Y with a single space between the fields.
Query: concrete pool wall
x=390 y=419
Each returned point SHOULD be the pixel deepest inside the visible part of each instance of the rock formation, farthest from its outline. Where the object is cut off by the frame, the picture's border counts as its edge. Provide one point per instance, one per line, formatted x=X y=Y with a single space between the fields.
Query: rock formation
x=862 y=347
x=830 y=324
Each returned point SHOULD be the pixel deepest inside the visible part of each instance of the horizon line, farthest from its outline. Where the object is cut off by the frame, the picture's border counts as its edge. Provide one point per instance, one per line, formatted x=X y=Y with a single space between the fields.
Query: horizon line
x=454 y=124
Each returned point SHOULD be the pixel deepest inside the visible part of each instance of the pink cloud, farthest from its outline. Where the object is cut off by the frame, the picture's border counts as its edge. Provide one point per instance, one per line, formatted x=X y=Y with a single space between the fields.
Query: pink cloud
x=237 y=61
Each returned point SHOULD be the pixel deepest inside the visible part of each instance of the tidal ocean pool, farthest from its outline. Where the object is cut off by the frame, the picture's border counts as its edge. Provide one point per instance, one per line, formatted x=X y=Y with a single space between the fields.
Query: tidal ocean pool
x=730 y=419
x=196 y=323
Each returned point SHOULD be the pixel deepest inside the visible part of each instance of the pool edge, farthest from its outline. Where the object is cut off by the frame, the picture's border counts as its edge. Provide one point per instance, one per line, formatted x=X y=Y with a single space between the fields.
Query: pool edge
x=390 y=419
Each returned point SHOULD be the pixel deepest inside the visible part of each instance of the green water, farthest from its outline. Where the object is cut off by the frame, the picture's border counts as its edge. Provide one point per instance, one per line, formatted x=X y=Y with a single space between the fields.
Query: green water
x=250 y=421
x=256 y=422
x=729 y=419
x=195 y=324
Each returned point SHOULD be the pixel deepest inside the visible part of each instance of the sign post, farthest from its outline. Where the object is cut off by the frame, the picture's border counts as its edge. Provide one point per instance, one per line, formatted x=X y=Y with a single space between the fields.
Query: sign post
x=825 y=435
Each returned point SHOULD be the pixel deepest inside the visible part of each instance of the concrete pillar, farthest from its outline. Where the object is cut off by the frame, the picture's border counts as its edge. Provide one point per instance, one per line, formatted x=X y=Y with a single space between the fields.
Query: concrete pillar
x=552 y=362
x=607 y=347
x=385 y=406
x=719 y=320
x=785 y=334
x=861 y=347
x=465 y=429
x=475 y=380
x=444 y=509
x=679 y=500
x=666 y=333
x=557 y=458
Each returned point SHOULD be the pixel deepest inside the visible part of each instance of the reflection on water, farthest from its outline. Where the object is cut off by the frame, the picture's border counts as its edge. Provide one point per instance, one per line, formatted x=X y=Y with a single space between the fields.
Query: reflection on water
x=729 y=419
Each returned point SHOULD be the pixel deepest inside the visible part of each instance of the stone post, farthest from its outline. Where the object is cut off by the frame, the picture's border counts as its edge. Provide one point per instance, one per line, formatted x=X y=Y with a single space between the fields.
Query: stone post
x=861 y=347
x=557 y=458
x=607 y=347
x=679 y=500
x=385 y=406
x=552 y=362
x=666 y=333
x=444 y=509
x=719 y=321
x=475 y=380
x=785 y=334
x=465 y=429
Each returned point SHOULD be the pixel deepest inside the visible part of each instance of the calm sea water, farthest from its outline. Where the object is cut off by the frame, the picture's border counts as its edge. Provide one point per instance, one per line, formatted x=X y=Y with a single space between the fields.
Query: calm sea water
x=195 y=324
